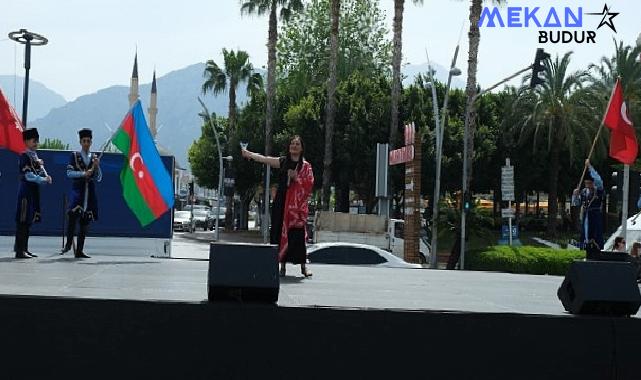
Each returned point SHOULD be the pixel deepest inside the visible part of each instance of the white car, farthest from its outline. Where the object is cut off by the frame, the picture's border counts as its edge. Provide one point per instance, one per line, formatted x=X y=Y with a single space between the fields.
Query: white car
x=183 y=221
x=354 y=254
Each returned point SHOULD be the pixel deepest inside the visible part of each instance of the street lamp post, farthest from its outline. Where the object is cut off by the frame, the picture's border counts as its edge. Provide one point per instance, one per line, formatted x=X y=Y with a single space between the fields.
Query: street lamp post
x=440 y=128
x=265 y=224
x=23 y=36
x=220 y=186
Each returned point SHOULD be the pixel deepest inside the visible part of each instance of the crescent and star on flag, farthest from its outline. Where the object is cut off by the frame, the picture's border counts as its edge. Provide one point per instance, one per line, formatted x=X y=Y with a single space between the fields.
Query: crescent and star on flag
x=624 y=114
x=132 y=164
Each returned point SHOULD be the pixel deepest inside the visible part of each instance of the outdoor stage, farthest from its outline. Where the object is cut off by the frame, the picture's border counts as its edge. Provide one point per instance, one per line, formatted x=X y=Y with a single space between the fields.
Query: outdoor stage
x=146 y=317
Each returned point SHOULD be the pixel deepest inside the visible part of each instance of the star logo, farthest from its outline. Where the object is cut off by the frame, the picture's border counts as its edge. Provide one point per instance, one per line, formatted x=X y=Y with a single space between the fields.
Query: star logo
x=607 y=18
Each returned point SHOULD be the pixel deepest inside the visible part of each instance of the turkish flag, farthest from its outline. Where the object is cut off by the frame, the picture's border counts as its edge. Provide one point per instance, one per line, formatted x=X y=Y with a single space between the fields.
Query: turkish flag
x=10 y=127
x=623 y=139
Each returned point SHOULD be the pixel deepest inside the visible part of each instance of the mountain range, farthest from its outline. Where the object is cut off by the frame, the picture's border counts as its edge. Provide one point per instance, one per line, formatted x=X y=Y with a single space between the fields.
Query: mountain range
x=41 y=99
x=178 y=122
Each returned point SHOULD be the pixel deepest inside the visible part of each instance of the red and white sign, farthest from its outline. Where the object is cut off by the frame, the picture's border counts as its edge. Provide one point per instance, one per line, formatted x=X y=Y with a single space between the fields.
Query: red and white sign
x=400 y=156
x=410 y=132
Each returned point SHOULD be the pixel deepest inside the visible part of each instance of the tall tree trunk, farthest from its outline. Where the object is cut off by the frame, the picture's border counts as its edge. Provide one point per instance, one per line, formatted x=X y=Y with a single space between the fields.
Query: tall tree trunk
x=244 y=209
x=342 y=192
x=330 y=108
x=271 y=77
x=553 y=205
x=232 y=106
x=565 y=218
x=474 y=36
x=229 y=200
x=397 y=57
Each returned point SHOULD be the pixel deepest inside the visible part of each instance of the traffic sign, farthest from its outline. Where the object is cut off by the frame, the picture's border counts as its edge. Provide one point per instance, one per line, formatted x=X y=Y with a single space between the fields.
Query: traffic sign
x=507 y=183
x=505 y=232
x=508 y=213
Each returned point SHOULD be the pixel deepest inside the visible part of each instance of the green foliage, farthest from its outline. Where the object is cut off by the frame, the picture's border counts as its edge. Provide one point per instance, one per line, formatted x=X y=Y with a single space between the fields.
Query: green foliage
x=362 y=115
x=303 y=119
x=525 y=259
x=53 y=144
x=203 y=153
x=363 y=44
x=248 y=174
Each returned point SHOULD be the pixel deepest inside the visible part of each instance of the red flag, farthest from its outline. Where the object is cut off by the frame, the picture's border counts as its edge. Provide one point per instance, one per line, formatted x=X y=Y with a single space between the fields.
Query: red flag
x=623 y=139
x=10 y=127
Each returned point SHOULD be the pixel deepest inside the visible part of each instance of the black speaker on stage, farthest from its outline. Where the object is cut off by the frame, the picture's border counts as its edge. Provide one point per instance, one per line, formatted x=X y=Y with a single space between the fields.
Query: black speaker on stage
x=600 y=287
x=243 y=272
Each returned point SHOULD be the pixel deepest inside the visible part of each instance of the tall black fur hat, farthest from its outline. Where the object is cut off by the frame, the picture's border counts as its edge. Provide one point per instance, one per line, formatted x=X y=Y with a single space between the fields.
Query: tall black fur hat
x=30 y=133
x=85 y=132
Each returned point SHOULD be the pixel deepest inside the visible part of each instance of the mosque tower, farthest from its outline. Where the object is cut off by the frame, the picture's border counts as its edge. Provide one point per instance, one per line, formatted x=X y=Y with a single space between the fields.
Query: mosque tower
x=153 y=109
x=133 y=89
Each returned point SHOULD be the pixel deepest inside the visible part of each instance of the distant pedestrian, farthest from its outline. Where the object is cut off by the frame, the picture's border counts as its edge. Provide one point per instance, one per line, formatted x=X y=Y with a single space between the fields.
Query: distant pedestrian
x=290 y=208
x=619 y=244
x=32 y=174
x=636 y=249
x=635 y=258
x=590 y=198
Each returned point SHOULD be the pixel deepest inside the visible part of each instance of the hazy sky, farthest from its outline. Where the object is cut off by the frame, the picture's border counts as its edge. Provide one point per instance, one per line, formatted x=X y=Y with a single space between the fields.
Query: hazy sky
x=92 y=43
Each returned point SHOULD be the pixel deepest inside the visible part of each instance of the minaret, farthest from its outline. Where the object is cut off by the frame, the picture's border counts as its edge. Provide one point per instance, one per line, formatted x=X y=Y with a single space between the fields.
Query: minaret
x=133 y=89
x=153 y=110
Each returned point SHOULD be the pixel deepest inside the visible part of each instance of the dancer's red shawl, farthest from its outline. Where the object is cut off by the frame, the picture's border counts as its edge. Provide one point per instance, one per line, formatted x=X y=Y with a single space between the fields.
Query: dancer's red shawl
x=296 y=205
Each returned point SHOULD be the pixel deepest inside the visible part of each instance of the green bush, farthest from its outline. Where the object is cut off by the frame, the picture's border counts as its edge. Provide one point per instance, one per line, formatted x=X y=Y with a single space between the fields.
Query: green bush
x=524 y=259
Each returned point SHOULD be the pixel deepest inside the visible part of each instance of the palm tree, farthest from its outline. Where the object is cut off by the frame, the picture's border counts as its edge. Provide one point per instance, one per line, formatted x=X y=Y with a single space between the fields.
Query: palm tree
x=237 y=69
x=397 y=56
x=563 y=113
x=261 y=7
x=330 y=108
x=624 y=64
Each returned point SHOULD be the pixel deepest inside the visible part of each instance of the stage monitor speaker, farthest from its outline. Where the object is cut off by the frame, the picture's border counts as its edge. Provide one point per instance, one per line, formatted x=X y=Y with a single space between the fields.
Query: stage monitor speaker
x=243 y=272
x=600 y=287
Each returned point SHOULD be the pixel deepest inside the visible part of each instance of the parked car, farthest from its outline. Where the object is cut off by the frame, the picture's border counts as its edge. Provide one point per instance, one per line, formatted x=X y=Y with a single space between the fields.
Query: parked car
x=183 y=221
x=201 y=217
x=196 y=207
x=221 y=217
x=354 y=254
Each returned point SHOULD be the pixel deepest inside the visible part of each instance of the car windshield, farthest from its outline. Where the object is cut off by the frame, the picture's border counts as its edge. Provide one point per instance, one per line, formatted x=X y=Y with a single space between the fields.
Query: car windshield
x=200 y=213
x=182 y=214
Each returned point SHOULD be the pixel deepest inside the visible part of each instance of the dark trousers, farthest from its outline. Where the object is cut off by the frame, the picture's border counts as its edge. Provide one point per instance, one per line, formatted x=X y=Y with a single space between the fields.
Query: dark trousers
x=74 y=218
x=22 y=238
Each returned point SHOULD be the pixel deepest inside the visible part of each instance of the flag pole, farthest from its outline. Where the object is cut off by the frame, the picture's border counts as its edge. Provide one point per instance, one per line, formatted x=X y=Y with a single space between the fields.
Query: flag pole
x=598 y=133
x=624 y=211
x=106 y=144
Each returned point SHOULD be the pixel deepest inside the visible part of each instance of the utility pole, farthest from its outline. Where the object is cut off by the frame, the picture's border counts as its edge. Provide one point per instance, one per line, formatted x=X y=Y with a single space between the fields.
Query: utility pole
x=29 y=39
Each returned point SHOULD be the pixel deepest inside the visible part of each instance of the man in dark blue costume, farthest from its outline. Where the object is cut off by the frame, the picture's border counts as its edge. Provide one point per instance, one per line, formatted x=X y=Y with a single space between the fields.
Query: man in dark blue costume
x=84 y=171
x=590 y=198
x=32 y=174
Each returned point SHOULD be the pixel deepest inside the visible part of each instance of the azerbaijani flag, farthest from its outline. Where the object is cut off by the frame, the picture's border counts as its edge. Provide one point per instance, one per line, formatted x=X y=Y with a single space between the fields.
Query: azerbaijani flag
x=146 y=185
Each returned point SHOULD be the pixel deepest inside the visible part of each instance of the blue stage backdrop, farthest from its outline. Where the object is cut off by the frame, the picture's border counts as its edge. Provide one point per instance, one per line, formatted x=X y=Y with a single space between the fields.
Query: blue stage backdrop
x=115 y=218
